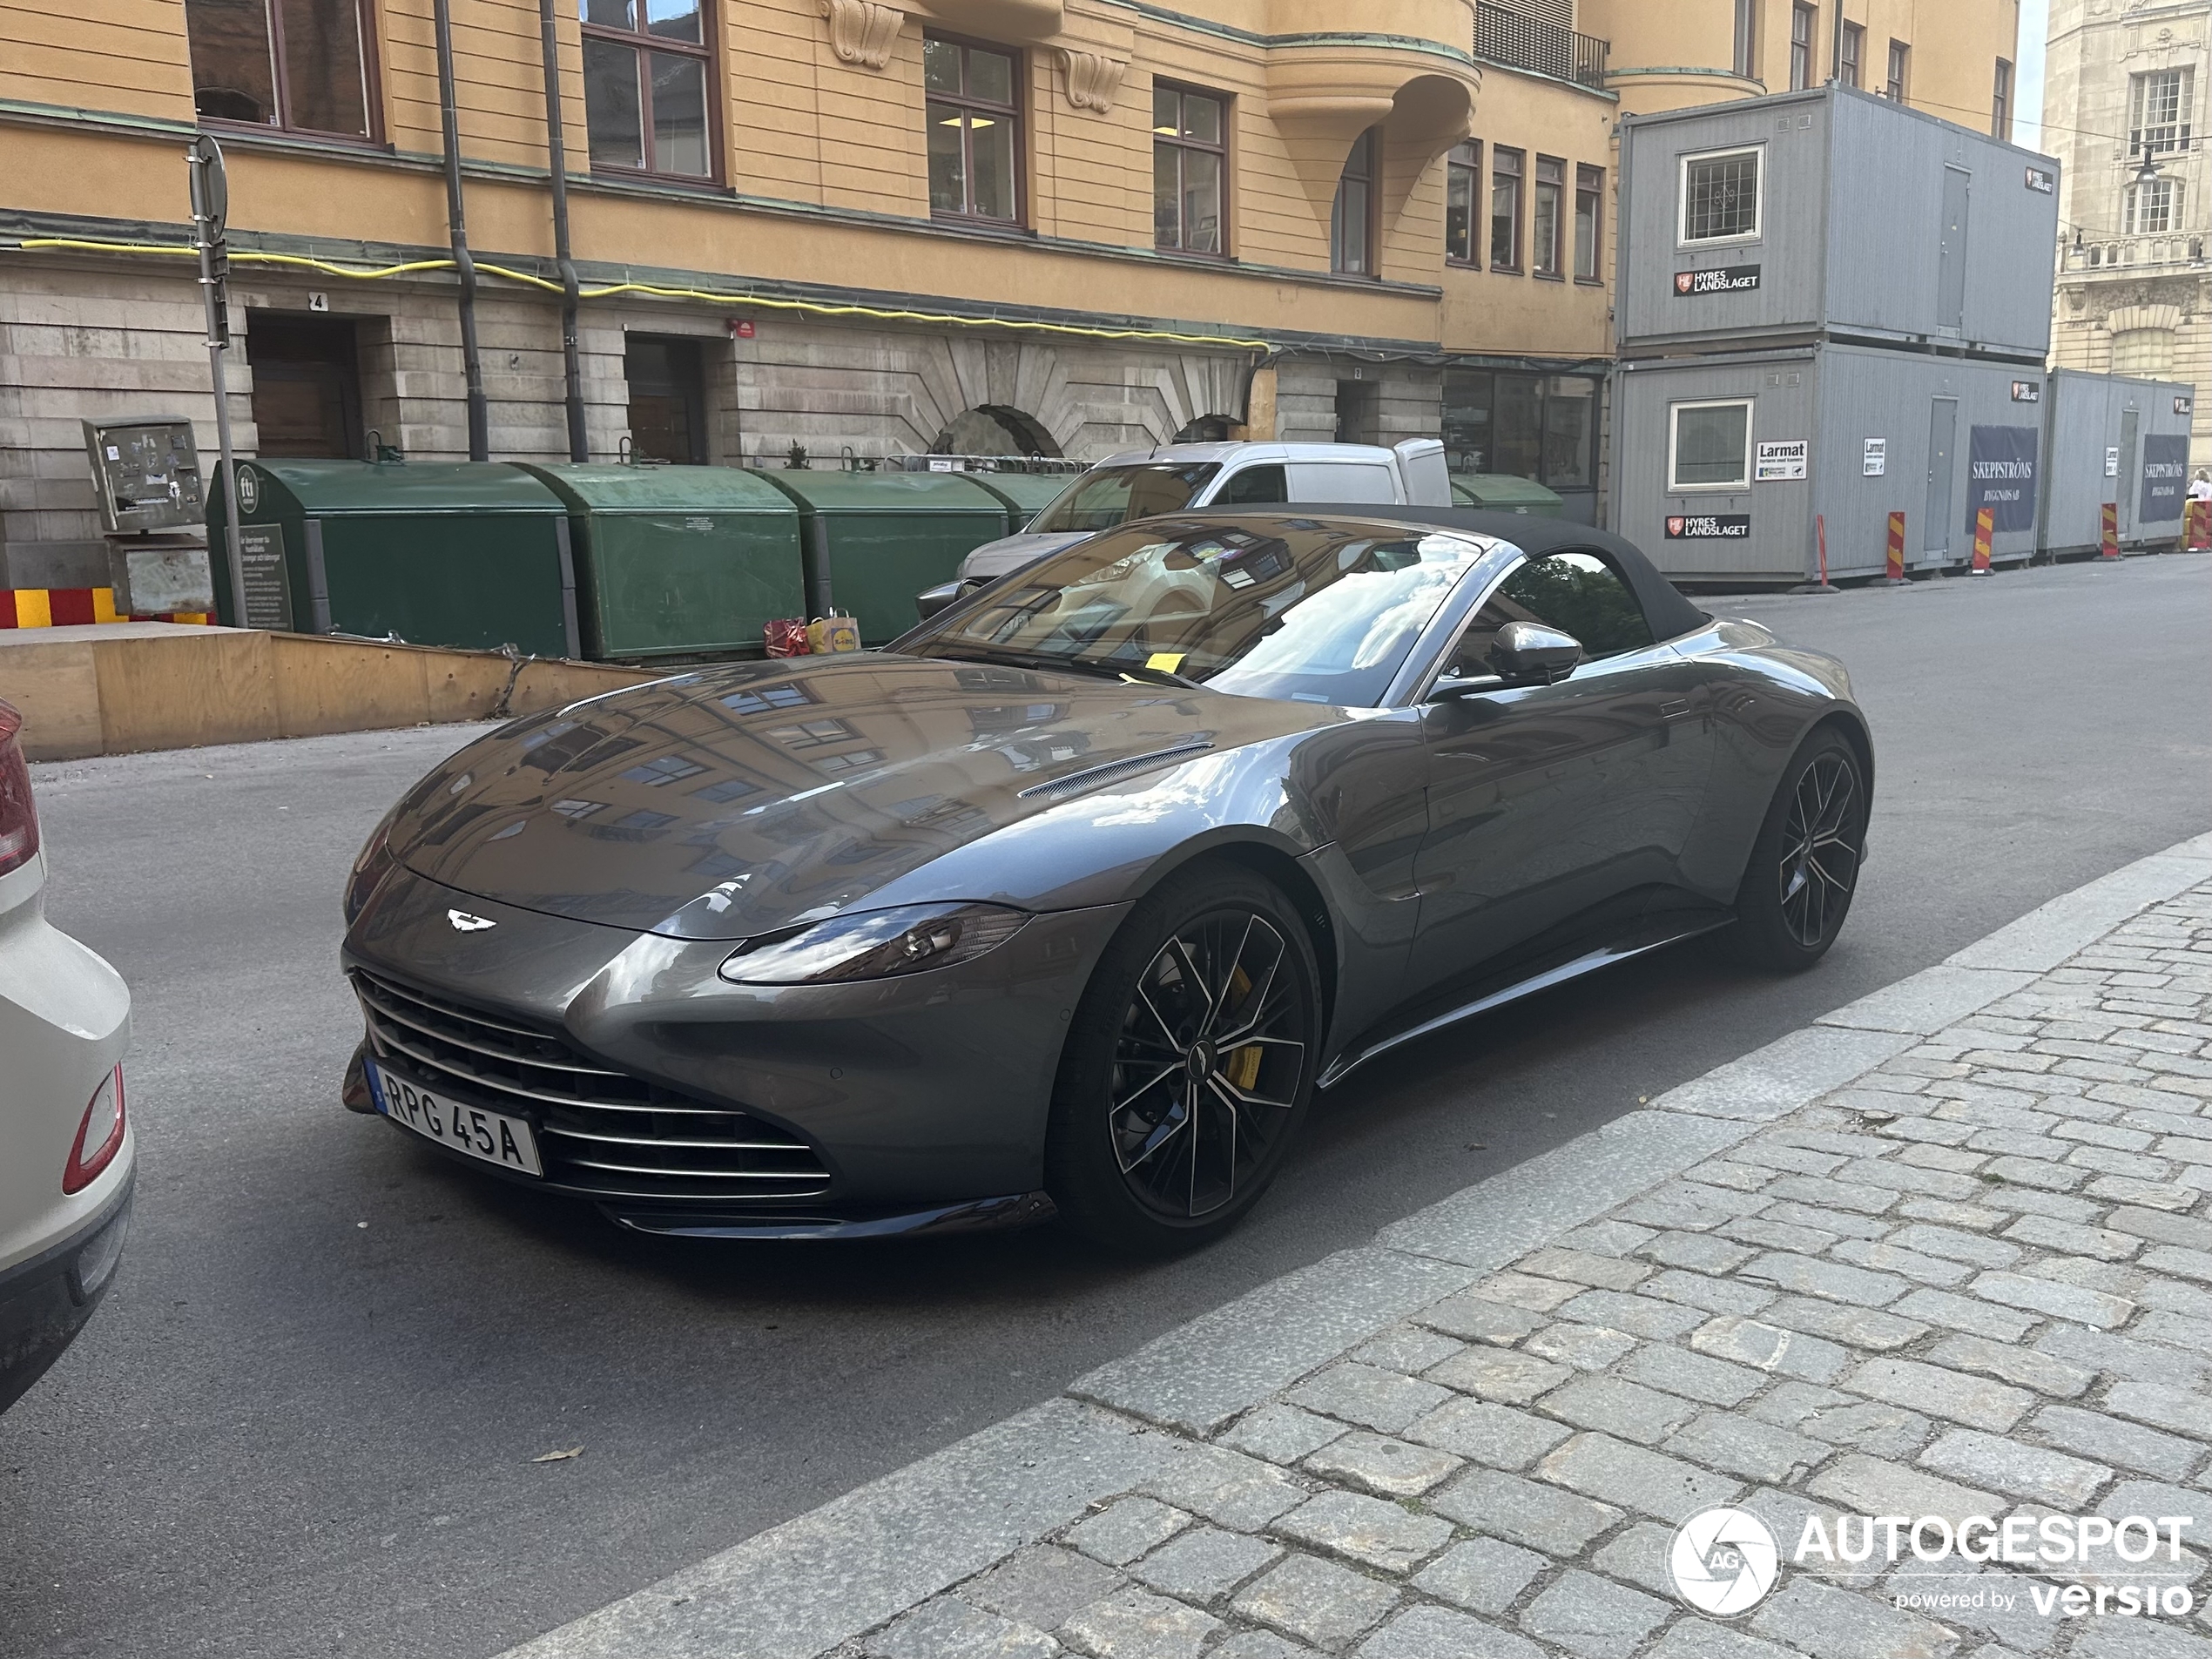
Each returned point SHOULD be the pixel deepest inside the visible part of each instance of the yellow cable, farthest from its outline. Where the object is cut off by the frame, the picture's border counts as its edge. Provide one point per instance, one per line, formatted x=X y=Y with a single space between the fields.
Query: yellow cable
x=811 y=306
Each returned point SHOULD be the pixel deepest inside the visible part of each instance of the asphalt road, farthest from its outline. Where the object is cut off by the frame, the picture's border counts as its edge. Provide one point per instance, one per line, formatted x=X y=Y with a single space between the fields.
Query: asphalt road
x=303 y=1422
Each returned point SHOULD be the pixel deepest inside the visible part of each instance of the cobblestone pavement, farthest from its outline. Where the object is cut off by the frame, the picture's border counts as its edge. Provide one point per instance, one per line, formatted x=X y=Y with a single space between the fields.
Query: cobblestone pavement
x=1976 y=1279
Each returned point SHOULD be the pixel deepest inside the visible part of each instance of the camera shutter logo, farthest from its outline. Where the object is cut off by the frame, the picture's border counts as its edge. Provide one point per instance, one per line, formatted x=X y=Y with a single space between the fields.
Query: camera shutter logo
x=1723 y=1561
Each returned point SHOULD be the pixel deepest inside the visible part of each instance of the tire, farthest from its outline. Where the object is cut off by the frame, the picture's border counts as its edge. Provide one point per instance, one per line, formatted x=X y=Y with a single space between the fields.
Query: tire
x=1163 y=1135
x=1804 y=866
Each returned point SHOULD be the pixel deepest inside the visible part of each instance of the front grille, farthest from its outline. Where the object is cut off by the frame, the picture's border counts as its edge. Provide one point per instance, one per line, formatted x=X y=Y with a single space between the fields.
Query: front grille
x=601 y=1130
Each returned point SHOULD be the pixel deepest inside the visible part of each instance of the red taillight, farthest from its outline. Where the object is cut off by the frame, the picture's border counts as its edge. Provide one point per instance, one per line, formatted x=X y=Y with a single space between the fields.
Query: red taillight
x=18 y=817
x=99 y=1137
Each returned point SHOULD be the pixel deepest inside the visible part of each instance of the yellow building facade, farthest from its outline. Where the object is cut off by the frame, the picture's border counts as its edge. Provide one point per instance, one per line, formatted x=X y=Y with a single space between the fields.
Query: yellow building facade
x=850 y=228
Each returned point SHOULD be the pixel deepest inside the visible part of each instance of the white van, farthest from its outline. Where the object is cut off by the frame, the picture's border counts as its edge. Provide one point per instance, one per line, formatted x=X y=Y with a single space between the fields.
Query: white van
x=1180 y=476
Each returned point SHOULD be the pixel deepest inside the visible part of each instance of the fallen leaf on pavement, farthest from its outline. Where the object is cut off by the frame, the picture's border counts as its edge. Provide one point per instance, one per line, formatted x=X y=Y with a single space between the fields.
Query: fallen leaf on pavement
x=558 y=1457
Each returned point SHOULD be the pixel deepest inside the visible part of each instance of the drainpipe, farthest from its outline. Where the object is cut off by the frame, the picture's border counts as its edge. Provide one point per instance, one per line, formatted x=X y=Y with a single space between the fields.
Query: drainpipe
x=472 y=363
x=556 y=160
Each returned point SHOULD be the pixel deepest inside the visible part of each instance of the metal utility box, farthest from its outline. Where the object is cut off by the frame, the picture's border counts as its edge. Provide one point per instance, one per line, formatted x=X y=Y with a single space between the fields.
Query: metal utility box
x=1722 y=464
x=678 y=561
x=145 y=473
x=2114 y=439
x=1503 y=493
x=1026 y=493
x=469 y=554
x=879 y=538
x=1831 y=211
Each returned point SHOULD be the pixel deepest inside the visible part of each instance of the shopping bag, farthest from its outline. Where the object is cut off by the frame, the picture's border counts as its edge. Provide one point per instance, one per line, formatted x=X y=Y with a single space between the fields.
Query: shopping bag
x=787 y=637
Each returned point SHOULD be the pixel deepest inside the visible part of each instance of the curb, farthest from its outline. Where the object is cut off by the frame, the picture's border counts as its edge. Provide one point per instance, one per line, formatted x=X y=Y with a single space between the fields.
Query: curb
x=799 y=1589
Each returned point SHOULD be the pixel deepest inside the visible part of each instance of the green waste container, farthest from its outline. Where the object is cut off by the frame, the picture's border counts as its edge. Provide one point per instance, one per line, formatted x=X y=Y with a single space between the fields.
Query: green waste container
x=1500 y=492
x=876 y=539
x=678 y=561
x=1026 y=493
x=469 y=554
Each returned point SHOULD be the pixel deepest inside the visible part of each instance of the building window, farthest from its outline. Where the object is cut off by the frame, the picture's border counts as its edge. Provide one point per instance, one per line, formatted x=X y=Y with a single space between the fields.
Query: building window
x=1551 y=192
x=1747 y=38
x=2158 y=110
x=1189 y=160
x=1542 y=426
x=1900 y=62
x=1708 y=445
x=1352 y=216
x=2000 y=106
x=303 y=67
x=2152 y=208
x=1803 y=33
x=1462 y=189
x=1854 y=53
x=975 y=124
x=2147 y=352
x=645 y=86
x=1505 y=207
x=1589 y=213
x=1720 y=197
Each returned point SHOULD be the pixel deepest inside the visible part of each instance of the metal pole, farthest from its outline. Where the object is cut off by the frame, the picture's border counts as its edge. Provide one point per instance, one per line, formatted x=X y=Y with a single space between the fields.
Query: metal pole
x=557 y=161
x=213 y=302
x=457 y=225
x=1836 y=50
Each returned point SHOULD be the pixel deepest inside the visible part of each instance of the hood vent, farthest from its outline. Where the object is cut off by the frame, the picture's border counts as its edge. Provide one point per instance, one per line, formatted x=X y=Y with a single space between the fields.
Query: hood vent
x=1076 y=782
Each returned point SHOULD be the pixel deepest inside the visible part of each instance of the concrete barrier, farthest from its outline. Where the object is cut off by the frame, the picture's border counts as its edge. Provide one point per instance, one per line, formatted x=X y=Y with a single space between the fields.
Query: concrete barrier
x=120 y=688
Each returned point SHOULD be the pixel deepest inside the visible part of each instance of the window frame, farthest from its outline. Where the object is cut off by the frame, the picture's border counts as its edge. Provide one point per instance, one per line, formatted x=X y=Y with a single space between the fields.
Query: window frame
x=1555 y=271
x=1674 y=486
x=641 y=45
x=1015 y=111
x=1367 y=148
x=1183 y=146
x=367 y=26
x=1804 y=47
x=1683 y=238
x=1853 y=54
x=1897 y=79
x=1589 y=181
x=2179 y=131
x=2166 y=192
x=1746 y=61
x=1517 y=171
x=2000 y=113
x=1464 y=158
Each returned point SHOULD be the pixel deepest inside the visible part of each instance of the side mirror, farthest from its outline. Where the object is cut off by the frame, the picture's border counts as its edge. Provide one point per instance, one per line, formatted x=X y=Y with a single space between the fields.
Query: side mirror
x=1527 y=651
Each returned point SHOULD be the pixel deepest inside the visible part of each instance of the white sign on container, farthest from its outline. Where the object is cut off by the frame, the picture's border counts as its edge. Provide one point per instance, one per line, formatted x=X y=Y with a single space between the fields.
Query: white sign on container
x=1875 y=463
x=1780 y=461
x=2111 y=462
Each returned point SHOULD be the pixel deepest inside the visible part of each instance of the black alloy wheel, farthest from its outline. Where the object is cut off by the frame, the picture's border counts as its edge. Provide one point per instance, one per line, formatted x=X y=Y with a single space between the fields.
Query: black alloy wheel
x=1805 y=866
x=1190 y=1065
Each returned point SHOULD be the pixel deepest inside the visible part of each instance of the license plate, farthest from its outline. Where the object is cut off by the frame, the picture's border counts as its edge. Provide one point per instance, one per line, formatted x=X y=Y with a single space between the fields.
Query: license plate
x=493 y=1136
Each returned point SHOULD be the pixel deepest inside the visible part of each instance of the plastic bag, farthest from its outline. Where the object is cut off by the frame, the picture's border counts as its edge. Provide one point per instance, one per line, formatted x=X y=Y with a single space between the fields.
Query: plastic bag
x=787 y=637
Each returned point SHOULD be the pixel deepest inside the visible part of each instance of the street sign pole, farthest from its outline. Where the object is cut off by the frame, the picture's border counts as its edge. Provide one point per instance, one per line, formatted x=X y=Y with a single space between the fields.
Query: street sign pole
x=210 y=207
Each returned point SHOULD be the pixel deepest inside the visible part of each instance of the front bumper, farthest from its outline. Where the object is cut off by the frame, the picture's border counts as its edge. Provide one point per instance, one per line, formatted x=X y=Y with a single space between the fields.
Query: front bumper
x=923 y=1100
x=45 y=1301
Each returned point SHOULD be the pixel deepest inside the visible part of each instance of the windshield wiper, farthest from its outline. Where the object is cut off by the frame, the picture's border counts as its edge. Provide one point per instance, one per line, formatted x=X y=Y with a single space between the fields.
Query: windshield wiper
x=1157 y=676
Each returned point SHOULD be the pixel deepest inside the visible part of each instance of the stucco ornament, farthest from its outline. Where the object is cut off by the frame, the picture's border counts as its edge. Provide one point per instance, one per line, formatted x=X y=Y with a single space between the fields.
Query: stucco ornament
x=861 y=31
x=1093 y=79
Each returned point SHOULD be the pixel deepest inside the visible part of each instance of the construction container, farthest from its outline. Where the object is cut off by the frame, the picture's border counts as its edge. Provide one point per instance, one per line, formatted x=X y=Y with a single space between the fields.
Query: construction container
x=469 y=554
x=1503 y=493
x=1026 y=493
x=1727 y=467
x=2112 y=439
x=678 y=561
x=1827 y=211
x=871 y=541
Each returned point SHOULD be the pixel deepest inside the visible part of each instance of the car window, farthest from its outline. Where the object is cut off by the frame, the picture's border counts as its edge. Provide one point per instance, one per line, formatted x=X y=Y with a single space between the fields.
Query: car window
x=1353 y=483
x=1297 y=609
x=1106 y=496
x=1254 y=486
x=1577 y=593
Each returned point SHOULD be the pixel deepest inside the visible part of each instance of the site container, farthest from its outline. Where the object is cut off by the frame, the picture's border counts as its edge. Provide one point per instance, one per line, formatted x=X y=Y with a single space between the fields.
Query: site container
x=2112 y=438
x=1503 y=493
x=1025 y=493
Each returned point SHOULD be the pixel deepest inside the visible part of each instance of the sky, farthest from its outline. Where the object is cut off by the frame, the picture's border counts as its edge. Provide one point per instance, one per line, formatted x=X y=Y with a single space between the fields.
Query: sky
x=2027 y=119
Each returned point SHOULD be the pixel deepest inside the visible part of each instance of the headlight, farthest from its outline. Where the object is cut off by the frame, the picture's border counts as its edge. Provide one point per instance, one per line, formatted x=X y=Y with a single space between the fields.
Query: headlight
x=874 y=944
x=373 y=864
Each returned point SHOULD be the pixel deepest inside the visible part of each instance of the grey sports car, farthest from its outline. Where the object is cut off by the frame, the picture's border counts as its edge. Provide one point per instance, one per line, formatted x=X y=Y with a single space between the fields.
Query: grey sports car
x=1070 y=899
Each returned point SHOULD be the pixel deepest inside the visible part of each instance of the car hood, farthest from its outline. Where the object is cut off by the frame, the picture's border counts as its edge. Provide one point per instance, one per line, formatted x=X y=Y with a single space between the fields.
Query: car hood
x=1011 y=553
x=734 y=801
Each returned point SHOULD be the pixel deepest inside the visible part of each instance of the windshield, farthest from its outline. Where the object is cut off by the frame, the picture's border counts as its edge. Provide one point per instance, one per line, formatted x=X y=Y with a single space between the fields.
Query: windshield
x=1263 y=606
x=1106 y=496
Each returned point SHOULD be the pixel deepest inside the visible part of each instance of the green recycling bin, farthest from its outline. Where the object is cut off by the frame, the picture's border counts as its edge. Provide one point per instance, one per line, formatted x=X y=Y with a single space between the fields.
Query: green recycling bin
x=875 y=539
x=468 y=554
x=678 y=561
x=1026 y=493
x=1503 y=493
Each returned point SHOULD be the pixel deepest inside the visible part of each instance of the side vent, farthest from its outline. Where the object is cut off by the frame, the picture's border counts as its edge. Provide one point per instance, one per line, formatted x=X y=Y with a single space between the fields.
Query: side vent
x=1076 y=782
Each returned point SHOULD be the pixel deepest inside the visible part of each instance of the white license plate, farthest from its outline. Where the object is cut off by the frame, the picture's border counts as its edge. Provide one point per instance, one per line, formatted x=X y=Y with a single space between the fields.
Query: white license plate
x=493 y=1136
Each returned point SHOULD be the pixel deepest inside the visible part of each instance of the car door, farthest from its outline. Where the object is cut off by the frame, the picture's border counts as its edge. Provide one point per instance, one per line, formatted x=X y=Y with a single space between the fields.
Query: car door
x=1547 y=800
x=1356 y=483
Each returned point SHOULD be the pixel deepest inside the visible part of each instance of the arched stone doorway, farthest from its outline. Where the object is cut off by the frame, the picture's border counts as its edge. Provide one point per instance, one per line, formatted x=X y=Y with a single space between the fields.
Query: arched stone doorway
x=1207 y=429
x=994 y=429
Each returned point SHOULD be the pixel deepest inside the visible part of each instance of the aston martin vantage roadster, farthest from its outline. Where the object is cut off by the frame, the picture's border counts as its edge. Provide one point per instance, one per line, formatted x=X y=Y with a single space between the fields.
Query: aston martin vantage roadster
x=1070 y=900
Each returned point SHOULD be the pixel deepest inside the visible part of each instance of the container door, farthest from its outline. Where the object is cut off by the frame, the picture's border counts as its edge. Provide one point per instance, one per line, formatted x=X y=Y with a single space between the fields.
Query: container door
x=2129 y=420
x=1951 y=267
x=1943 y=443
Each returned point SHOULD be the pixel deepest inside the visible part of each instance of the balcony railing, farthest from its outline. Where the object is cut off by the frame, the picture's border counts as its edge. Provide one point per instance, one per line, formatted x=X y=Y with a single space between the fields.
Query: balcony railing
x=1505 y=37
x=2121 y=253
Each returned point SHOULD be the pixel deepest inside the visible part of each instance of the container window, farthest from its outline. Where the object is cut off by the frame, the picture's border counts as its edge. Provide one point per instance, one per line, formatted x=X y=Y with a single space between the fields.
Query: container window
x=1721 y=196
x=1708 y=445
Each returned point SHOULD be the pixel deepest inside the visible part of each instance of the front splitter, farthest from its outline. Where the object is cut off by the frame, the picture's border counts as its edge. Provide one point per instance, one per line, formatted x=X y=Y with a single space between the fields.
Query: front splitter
x=972 y=1216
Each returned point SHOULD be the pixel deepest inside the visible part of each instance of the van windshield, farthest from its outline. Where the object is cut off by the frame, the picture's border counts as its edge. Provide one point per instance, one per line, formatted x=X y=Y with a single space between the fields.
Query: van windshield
x=1106 y=496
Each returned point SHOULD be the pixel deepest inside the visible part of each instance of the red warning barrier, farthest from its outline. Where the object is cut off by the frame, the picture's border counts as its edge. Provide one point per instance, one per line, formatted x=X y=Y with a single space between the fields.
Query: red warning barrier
x=2196 y=526
x=1984 y=523
x=2108 y=547
x=1896 y=571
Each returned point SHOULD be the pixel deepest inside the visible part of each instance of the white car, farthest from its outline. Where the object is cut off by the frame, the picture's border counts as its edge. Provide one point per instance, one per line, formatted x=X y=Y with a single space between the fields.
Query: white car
x=66 y=1150
x=1178 y=475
